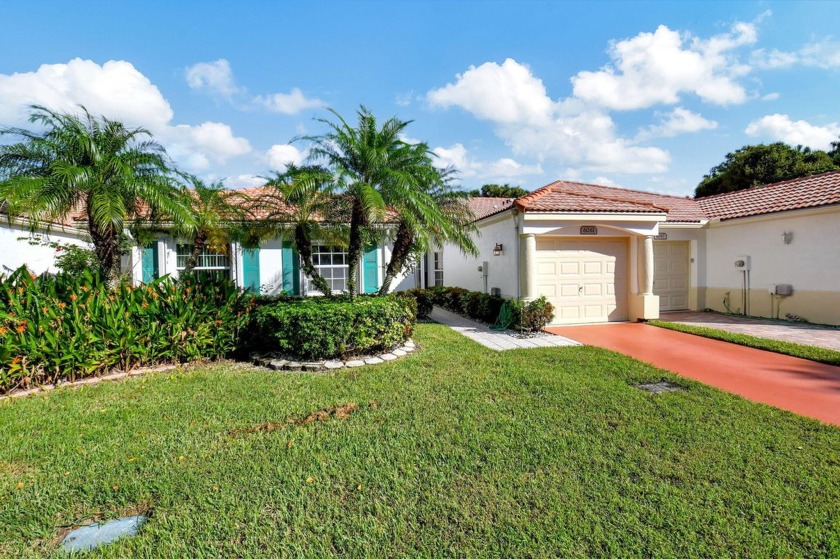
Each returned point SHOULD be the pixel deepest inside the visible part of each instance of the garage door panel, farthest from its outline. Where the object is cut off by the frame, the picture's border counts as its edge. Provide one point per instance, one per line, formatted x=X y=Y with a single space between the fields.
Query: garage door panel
x=570 y=268
x=547 y=268
x=591 y=285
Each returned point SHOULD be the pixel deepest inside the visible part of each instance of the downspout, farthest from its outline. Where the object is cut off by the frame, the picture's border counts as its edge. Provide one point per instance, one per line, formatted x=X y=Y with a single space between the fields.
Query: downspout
x=516 y=226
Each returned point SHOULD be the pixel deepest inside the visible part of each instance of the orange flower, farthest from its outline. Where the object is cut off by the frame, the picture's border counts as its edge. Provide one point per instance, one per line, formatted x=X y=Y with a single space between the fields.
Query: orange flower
x=21 y=328
x=3 y=330
x=85 y=288
x=62 y=305
x=44 y=310
x=154 y=295
x=73 y=297
x=145 y=305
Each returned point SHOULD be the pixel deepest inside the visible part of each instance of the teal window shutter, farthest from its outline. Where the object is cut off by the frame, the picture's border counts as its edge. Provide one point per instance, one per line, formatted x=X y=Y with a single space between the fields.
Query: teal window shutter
x=251 y=269
x=149 y=263
x=291 y=269
x=370 y=267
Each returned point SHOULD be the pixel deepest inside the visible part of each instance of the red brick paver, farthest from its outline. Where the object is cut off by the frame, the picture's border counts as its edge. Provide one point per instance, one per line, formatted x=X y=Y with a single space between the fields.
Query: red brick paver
x=798 y=385
x=796 y=332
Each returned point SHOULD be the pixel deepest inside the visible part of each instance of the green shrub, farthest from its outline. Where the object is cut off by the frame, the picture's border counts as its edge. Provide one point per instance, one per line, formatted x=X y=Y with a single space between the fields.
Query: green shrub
x=423 y=299
x=65 y=327
x=531 y=317
x=328 y=328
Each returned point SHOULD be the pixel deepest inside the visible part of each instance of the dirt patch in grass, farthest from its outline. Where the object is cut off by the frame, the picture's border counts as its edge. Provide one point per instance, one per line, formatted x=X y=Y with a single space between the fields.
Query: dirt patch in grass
x=343 y=412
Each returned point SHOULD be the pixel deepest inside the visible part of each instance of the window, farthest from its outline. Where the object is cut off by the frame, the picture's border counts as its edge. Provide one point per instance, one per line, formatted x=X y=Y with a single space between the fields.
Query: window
x=210 y=263
x=331 y=263
x=438 y=269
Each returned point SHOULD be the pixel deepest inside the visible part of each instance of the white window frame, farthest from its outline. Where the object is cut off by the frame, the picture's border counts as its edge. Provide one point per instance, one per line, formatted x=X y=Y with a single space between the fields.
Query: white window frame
x=208 y=260
x=437 y=269
x=327 y=253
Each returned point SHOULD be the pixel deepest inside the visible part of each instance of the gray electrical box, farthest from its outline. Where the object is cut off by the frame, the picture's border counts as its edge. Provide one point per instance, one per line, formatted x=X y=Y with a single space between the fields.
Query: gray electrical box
x=496 y=291
x=784 y=289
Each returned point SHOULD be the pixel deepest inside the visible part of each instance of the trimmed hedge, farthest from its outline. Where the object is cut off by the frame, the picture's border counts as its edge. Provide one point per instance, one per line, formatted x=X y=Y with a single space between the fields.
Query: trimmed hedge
x=334 y=327
x=66 y=327
x=530 y=317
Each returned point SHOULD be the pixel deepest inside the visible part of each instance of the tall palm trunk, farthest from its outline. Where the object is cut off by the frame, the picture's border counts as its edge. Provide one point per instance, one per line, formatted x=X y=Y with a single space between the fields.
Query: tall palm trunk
x=199 y=242
x=304 y=248
x=399 y=254
x=106 y=246
x=354 y=250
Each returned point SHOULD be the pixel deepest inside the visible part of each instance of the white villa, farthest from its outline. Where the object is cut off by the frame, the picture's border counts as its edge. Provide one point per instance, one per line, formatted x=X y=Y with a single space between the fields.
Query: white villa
x=598 y=253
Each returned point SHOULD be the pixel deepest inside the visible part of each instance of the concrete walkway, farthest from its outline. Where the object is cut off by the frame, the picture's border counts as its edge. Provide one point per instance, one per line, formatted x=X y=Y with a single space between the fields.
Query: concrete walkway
x=798 y=385
x=492 y=339
x=796 y=332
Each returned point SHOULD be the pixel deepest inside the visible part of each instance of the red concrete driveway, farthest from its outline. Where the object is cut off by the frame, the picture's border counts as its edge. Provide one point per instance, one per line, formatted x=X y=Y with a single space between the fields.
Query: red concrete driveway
x=798 y=385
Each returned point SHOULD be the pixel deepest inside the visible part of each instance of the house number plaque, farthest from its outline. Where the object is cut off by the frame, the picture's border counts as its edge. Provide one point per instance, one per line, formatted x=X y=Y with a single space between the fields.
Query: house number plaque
x=588 y=230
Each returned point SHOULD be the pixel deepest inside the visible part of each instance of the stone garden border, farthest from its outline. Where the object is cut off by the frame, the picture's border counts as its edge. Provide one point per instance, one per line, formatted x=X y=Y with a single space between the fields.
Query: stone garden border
x=268 y=360
x=277 y=362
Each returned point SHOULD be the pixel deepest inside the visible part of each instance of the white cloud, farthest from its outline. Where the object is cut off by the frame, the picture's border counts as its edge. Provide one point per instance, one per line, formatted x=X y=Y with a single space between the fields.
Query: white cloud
x=770 y=96
x=279 y=156
x=779 y=127
x=532 y=124
x=679 y=121
x=656 y=68
x=244 y=181
x=824 y=53
x=288 y=103
x=507 y=94
x=504 y=168
x=117 y=90
x=404 y=99
x=215 y=77
x=604 y=181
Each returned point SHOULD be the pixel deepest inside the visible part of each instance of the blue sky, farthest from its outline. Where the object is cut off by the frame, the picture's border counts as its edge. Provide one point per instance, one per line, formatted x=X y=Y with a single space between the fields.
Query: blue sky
x=646 y=95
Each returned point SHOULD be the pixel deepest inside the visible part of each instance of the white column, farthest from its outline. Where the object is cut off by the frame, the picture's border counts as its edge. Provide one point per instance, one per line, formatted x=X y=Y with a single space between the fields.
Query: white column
x=647 y=282
x=528 y=266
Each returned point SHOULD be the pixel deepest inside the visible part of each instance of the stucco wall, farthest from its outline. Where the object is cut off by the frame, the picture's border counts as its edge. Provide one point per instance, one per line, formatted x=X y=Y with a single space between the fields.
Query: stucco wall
x=460 y=270
x=15 y=252
x=811 y=263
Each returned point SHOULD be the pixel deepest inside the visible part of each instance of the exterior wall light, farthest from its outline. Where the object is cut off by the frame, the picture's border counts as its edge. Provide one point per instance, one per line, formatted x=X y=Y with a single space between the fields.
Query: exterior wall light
x=497 y=250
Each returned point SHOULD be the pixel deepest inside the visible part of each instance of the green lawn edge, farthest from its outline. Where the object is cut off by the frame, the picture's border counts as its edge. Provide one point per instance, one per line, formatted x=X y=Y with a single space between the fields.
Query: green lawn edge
x=812 y=353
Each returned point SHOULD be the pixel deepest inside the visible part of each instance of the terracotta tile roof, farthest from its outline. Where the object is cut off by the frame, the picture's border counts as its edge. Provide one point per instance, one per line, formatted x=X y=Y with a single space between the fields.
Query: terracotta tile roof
x=794 y=194
x=565 y=196
x=482 y=207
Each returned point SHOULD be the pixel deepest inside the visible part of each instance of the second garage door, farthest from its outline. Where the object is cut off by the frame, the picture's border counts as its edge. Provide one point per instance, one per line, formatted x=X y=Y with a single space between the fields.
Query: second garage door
x=585 y=280
x=670 y=277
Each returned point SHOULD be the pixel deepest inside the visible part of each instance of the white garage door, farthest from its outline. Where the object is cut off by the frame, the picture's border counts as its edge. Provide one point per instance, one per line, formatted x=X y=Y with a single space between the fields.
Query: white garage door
x=670 y=274
x=585 y=280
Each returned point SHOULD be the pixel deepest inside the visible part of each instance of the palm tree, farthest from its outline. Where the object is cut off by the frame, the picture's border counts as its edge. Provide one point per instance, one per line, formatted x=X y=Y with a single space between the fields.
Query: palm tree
x=448 y=221
x=217 y=217
x=98 y=166
x=300 y=199
x=379 y=170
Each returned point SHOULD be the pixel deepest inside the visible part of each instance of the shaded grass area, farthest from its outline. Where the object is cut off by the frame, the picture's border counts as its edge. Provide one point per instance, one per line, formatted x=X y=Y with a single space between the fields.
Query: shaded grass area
x=455 y=450
x=814 y=353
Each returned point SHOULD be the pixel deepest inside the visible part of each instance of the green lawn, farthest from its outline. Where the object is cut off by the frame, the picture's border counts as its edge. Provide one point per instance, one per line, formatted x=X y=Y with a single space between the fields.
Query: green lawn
x=814 y=353
x=456 y=450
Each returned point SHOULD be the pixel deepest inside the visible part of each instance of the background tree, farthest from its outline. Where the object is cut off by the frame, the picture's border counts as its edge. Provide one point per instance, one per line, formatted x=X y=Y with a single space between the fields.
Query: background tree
x=300 y=199
x=499 y=191
x=93 y=164
x=764 y=164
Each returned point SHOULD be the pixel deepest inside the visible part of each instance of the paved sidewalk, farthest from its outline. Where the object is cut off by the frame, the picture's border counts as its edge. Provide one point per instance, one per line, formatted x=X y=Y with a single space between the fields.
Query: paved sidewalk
x=798 y=385
x=496 y=340
x=796 y=332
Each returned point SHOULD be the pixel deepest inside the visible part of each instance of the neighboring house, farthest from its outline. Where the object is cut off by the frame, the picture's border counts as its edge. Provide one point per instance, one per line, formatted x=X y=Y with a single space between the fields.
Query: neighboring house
x=603 y=254
x=19 y=245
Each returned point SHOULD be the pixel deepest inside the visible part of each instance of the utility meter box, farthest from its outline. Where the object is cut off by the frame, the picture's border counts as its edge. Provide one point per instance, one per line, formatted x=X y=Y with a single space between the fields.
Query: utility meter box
x=742 y=263
x=496 y=291
x=783 y=289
